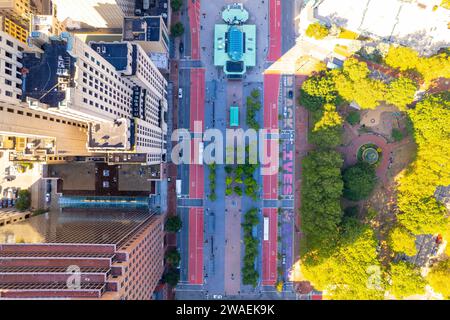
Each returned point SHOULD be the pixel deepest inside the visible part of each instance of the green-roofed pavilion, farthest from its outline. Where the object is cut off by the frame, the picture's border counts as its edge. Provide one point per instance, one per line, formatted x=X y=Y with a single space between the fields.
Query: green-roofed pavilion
x=235 y=43
x=235 y=14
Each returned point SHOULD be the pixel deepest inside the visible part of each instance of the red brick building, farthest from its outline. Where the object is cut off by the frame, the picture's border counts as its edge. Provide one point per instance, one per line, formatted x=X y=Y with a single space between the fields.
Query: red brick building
x=83 y=254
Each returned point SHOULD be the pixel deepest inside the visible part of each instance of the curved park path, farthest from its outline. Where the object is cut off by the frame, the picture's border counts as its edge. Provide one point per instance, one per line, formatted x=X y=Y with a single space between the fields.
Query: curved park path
x=350 y=151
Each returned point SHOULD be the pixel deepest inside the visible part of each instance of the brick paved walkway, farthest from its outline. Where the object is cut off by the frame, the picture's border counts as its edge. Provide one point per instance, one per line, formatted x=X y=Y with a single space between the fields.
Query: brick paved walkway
x=350 y=151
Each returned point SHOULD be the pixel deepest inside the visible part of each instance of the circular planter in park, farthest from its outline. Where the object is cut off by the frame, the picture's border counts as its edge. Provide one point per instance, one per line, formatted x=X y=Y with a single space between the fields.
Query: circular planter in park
x=369 y=153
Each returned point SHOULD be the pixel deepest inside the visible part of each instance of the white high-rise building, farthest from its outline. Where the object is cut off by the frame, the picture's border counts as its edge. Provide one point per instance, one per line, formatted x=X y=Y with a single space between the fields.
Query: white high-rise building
x=11 y=51
x=94 y=13
x=114 y=87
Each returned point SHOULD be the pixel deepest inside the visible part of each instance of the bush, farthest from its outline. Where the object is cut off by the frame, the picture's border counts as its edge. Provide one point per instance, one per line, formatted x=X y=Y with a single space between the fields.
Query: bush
x=177 y=29
x=176 y=5
x=24 y=200
x=173 y=257
x=238 y=190
x=173 y=224
x=353 y=117
x=317 y=31
x=397 y=135
x=359 y=181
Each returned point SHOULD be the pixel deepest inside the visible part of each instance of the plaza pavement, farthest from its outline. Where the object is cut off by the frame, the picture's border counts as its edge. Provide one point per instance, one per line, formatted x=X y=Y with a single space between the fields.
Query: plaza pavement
x=221 y=237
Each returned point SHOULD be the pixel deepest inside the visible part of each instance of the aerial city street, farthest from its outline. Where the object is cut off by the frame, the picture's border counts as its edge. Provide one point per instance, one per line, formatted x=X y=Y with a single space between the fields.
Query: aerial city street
x=225 y=150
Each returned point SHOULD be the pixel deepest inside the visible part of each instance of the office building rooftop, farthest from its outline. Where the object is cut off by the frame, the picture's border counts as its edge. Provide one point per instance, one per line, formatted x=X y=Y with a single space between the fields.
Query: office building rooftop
x=76 y=226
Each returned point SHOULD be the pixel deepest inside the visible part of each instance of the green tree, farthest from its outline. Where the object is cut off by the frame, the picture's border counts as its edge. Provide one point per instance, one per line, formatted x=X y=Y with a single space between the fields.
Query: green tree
x=228 y=169
x=318 y=90
x=213 y=195
x=430 y=68
x=439 y=277
x=359 y=181
x=353 y=117
x=402 y=58
x=255 y=94
x=177 y=29
x=321 y=195
x=228 y=180
x=176 y=5
x=317 y=31
x=400 y=240
x=351 y=271
x=437 y=66
x=327 y=131
x=173 y=257
x=353 y=84
x=238 y=190
x=421 y=212
x=228 y=191
x=173 y=224
x=406 y=280
x=24 y=200
x=249 y=274
x=172 y=277
x=401 y=92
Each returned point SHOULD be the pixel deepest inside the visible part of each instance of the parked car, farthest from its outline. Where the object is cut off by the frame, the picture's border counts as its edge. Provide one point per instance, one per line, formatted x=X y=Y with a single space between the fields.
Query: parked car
x=181 y=47
x=180 y=93
x=291 y=94
x=283 y=260
x=49 y=186
x=48 y=198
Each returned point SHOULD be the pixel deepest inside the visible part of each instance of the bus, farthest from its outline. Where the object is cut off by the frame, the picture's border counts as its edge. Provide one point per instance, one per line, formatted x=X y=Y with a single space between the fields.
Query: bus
x=200 y=153
x=266 y=228
x=178 y=188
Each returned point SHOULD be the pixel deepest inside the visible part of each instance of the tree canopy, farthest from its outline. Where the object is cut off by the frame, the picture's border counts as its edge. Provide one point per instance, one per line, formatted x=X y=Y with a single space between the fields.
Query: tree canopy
x=173 y=224
x=430 y=68
x=359 y=181
x=318 y=90
x=353 y=84
x=400 y=240
x=327 y=129
x=176 y=4
x=173 y=257
x=317 y=31
x=401 y=92
x=321 y=191
x=24 y=200
x=177 y=29
x=171 y=277
x=439 y=277
x=352 y=271
x=406 y=280
x=421 y=212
